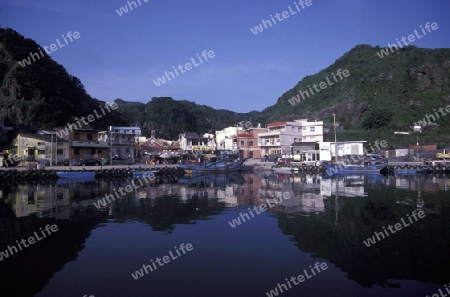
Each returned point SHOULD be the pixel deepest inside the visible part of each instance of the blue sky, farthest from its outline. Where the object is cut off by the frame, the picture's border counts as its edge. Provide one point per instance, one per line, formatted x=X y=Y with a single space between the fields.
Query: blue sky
x=120 y=56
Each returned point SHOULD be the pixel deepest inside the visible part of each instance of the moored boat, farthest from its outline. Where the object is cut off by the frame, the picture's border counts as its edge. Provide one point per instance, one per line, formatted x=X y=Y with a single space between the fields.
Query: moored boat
x=75 y=174
x=213 y=167
x=354 y=169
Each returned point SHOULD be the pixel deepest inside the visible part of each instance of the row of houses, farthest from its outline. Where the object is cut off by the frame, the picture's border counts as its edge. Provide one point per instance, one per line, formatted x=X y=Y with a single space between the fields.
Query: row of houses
x=300 y=139
x=53 y=147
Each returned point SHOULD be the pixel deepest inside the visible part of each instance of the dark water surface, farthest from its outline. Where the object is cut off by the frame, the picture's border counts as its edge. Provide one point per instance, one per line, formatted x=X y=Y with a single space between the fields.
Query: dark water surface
x=96 y=251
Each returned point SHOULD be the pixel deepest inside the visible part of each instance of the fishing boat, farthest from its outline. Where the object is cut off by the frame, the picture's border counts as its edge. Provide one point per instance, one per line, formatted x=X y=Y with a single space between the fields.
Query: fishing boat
x=354 y=168
x=213 y=167
x=409 y=170
x=75 y=174
x=73 y=180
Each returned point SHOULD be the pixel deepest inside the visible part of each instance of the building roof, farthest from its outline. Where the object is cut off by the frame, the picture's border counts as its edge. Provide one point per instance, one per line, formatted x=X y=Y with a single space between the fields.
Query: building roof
x=276 y=124
x=44 y=137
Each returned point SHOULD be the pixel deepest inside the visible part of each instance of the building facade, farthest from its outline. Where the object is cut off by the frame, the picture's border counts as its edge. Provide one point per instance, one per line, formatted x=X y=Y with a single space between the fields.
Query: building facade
x=341 y=148
x=224 y=137
x=246 y=142
x=191 y=141
x=280 y=136
x=45 y=149
x=84 y=145
x=123 y=141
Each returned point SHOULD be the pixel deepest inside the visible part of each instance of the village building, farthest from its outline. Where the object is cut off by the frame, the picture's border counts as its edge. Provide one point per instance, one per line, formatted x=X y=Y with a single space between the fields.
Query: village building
x=192 y=141
x=123 y=141
x=224 y=137
x=280 y=136
x=246 y=142
x=47 y=149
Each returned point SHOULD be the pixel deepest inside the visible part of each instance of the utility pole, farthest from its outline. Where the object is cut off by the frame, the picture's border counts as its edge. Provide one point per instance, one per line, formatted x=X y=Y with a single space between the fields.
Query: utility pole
x=111 y=148
x=335 y=146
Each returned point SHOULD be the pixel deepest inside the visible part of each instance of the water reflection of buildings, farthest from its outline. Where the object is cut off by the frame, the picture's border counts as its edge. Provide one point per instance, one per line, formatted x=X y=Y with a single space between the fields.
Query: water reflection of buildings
x=40 y=199
x=309 y=193
x=346 y=185
x=420 y=182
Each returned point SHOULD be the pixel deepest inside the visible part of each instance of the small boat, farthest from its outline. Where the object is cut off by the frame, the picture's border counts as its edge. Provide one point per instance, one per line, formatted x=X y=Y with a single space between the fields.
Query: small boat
x=63 y=181
x=145 y=174
x=213 y=167
x=354 y=169
x=406 y=170
x=75 y=174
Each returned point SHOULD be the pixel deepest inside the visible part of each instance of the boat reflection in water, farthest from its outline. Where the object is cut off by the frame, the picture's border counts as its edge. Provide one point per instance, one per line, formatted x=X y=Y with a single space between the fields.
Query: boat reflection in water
x=324 y=219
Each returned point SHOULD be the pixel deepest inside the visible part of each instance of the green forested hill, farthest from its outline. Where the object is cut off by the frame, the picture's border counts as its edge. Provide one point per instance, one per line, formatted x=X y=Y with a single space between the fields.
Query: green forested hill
x=168 y=117
x=381 y=95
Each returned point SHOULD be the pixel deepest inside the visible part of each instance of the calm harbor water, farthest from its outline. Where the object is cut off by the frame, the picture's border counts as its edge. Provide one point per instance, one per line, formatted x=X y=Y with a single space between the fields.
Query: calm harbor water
x=100 y=252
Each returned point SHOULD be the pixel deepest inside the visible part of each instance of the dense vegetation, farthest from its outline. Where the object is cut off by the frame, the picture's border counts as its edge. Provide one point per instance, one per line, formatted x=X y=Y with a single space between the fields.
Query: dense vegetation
x=381 y=95
x=42 y=94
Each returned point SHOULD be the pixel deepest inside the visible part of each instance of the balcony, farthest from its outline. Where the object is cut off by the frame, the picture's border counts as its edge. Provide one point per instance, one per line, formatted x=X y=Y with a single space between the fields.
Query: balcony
x=275 y=143
x=77 y=143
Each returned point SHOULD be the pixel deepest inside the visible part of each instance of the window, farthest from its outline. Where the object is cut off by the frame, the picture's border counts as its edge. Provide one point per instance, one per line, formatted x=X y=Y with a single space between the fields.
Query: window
x=76 y=151
x=93 y=151
x=295 y=139
x=312 y=129
x=250 y=142
x=77 y=136
x=99 y=151
x=304 y=128
x=127 y=150
x=89 y=136
x=41 y=143
x=293 y=129
x=41 y=152
x=60 y=152
x=60 y=144
x=242 y=142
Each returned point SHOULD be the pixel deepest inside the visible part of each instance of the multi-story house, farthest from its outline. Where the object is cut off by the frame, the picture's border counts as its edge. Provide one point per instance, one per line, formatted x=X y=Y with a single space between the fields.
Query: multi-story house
x=224 y=138
x=192 y=141
x=124 y=141
x=280 y=135
x=84 y=145
x=246 y=142
x=44 y=148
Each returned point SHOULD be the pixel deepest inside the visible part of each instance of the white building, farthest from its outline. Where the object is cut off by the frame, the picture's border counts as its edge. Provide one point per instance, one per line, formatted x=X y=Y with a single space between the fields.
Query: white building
x=124 y=140
x=190 y=141
x=280 y=136
x=327 y=149
x=224 y=137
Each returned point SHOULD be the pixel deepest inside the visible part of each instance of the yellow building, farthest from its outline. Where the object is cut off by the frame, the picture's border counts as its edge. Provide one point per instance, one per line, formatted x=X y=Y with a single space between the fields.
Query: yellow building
x=46 y=149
